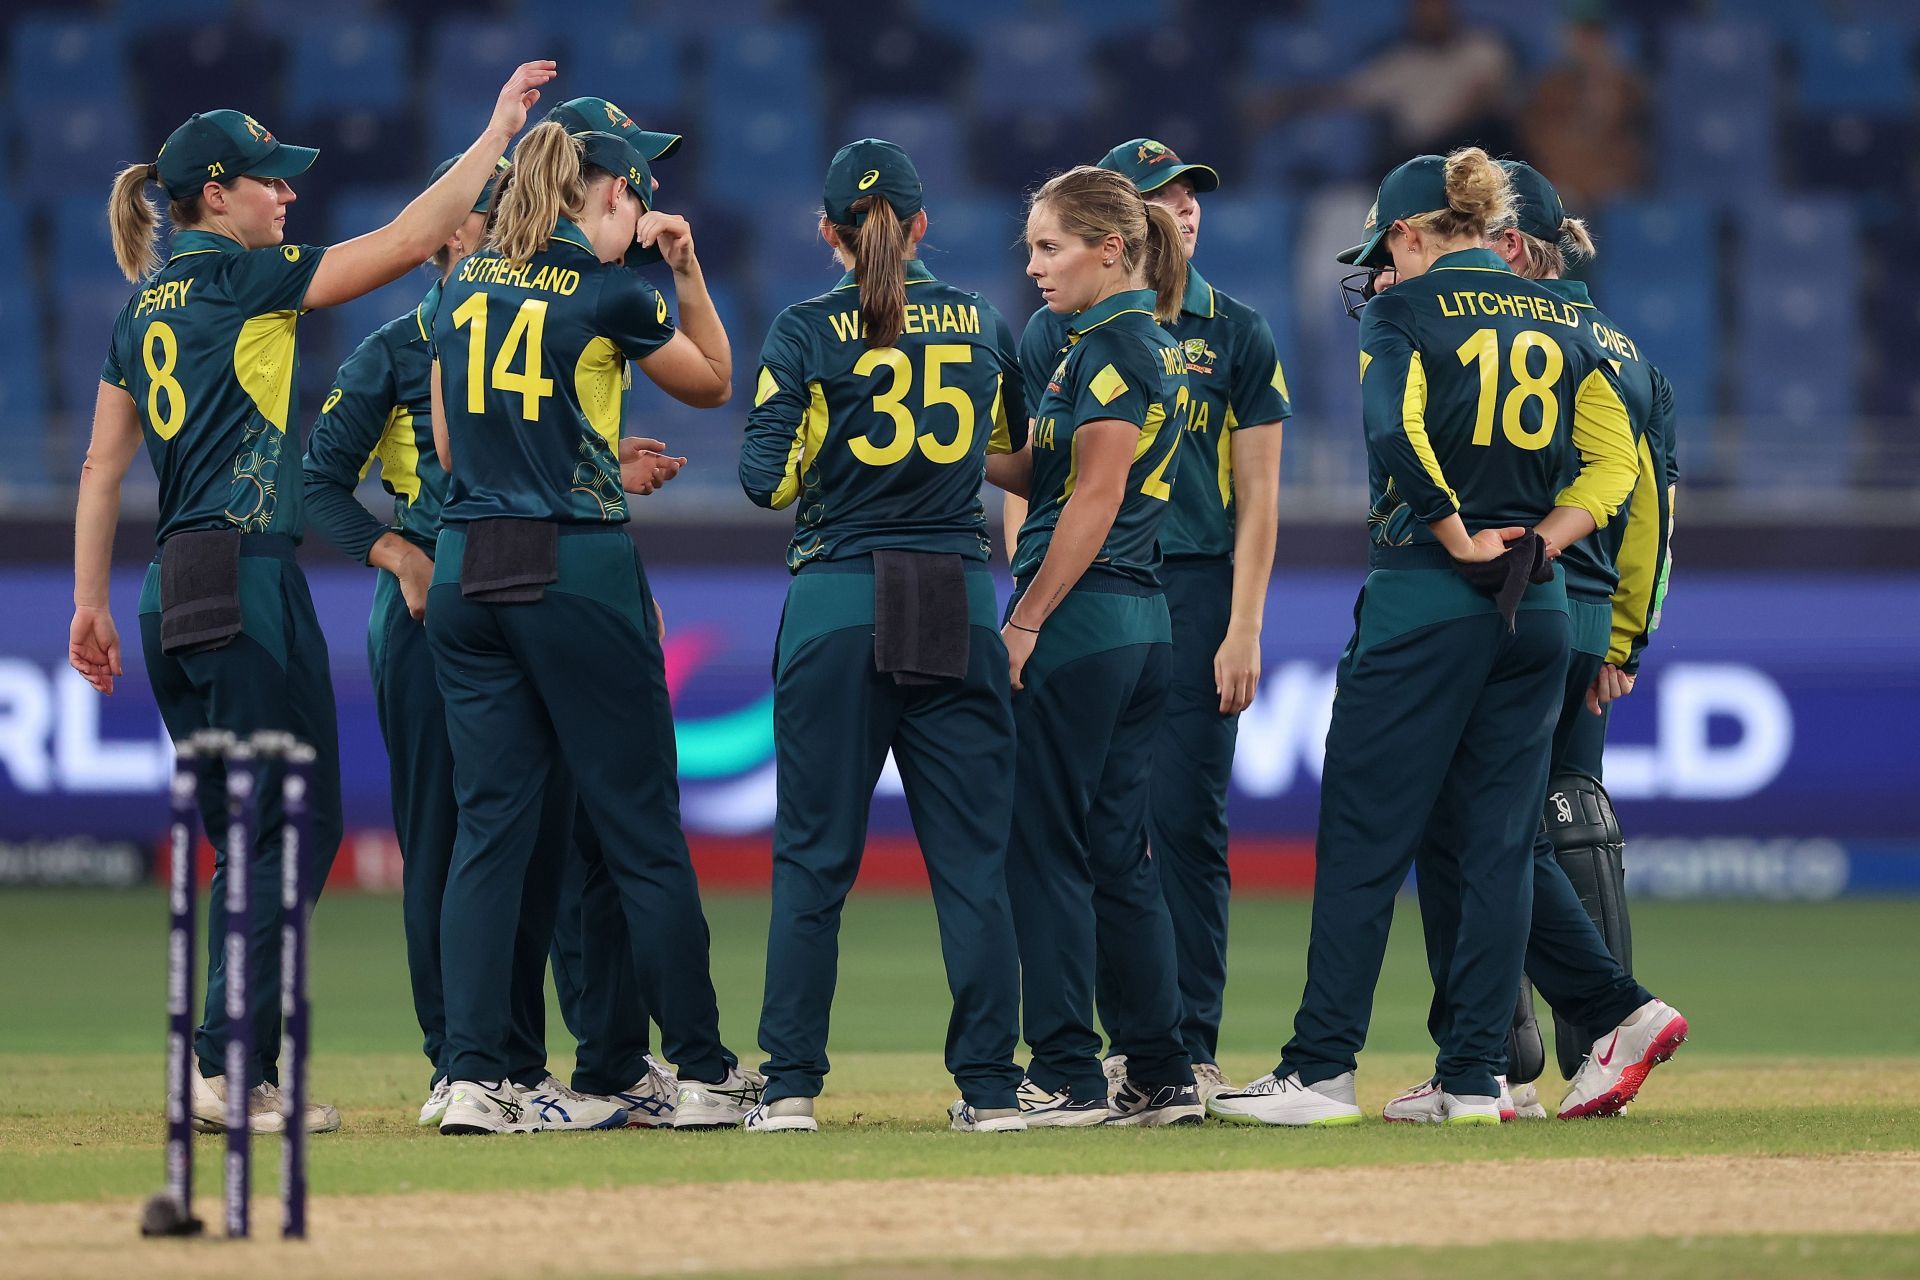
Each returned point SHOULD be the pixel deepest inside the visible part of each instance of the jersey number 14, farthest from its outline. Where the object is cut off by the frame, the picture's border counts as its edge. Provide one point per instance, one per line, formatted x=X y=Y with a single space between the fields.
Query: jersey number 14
x=523 y=343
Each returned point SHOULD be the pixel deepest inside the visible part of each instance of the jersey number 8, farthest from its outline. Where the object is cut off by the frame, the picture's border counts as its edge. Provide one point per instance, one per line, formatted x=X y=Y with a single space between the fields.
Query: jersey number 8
x=893 y=403
x=160 y=351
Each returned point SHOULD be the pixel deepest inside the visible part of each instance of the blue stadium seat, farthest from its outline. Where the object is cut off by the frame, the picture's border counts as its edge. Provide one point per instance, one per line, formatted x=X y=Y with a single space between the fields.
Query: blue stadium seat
x=763 y=154
x=1716 y=103
x=1657 y=276
x=1286 y=52
x=789 y=260
x=139 y=19
x=23 y=383
x=1246 y=249
x=1534 y=36
x=1313 y=149
x=979 y=20
x=356 y=212
x=66 y=60
x=932 y=133
x=974 y=243
x=467 y=63
x=81 y=144
x=1798 y=342
x=770 y=67
x=1032 y=67
x=639 y=68
x=1855 y=67
x=357 y=65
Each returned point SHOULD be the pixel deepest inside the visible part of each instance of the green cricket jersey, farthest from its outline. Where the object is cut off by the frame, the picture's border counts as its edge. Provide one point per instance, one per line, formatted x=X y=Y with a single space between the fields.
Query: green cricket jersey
x=883 y=447
x=1234 y=380
x=533 y=373
x=1628 y=560
x=380 y=410
x=1118 y=364
x=1484 y=394
x=206 y=349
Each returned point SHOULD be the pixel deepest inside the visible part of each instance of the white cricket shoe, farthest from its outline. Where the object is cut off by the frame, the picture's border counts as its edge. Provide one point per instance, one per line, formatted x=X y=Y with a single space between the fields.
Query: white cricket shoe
x=435 y=1107
x=1114 y=1068
x=1286 y=1101
x=964 y=1117
x=1619 y=1061
x=650 y=1099
x=718 y=1106
x=1418 y=1105
x=559 y=1108
x=1044 y=1109
x=783 y=1115
x=1507 y=1110
x=1526 y=1104
x=1469 y=1108
x=1167 y=1104
x=486 y=1106
x=1208 y=1080
x=266 y=1108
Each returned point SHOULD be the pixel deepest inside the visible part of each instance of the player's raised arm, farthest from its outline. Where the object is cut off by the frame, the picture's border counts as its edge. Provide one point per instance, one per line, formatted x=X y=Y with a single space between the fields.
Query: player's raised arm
x=363 y=264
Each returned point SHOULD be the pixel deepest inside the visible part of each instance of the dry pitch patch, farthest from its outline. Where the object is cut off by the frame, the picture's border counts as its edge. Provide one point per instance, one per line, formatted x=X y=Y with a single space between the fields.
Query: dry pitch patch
x=746 y=1226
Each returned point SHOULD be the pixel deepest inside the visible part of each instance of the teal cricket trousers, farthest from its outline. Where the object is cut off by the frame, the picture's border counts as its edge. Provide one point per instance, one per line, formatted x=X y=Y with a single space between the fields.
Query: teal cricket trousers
x=413 y=723
x=1187 y=806
x=593 y=978
x=575 y=680
x=1567 y=959
x=1441 y=715
x=1086 y=897
x=273 y=675
x=835 y=718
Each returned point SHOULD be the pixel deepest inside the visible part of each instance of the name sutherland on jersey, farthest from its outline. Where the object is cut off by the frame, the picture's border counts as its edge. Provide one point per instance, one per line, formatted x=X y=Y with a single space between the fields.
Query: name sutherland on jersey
x=921 y=317
x=1470 y=302
x=548 y=279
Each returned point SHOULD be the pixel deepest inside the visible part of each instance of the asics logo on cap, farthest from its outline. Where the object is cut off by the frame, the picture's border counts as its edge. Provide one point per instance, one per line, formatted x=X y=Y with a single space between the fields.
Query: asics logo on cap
x=868 y=178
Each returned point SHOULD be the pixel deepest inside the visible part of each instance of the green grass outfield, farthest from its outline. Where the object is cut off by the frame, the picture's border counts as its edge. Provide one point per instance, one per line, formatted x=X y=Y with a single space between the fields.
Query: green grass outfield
x=1803 y=1043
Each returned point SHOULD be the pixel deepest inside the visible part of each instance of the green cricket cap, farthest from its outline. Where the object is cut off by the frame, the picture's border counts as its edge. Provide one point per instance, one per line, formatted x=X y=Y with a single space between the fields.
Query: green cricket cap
x=617 y=156
x=1150 y=165
x=584 y=115
x=484 y=200
x=1537 y=210
x=215 y=145
x=871 y=167
x=1416 y=187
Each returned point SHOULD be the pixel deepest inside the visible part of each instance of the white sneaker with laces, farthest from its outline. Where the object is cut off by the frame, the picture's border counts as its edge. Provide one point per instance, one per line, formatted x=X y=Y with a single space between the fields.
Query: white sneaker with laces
x=1286 y=1101
x=1619 y=1061
x=1526 y=1103
x=1469 y=1108
x=1208 y=1080
x=718 y=1106
x=266 y=1108
x=485 y=1107
x=436 y=1104
x=783 y=1115
x=1044 y=1109
x=964 y=1117
x=1114 y=1068
x=650 y=1099
x=562 y=1109
x=1418 y=1105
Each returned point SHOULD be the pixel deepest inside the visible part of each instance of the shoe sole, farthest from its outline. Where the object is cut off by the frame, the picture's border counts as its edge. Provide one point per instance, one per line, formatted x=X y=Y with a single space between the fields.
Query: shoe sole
x=1423 y=1119
x=1461 y=1122
x=1627 y=1087
x=1067 y=1120
x=1327 y=1122
x=993 y=1126
x=1161 y=1118
x=474 y=1131
x=786 y=1124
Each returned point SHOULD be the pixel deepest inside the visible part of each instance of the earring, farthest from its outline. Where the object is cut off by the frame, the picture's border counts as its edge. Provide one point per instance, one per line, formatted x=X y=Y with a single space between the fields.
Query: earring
x=1107 y=263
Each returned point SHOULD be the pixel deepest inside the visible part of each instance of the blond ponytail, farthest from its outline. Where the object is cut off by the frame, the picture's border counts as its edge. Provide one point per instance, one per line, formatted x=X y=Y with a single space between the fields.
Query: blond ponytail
x=1576 y=242
x=135 y=222
x=1479 y=198
x=1166 y=262
x=549 y=182
x=879 y=252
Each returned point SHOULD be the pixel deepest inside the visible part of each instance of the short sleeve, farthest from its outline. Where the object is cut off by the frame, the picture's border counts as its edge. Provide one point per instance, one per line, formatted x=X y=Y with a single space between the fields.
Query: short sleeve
x=1115 y=377
x=275 y=279
x=1257 y=392
x=1010 y=422
x=110 y=371
x=1040 y=345
x=633 y=314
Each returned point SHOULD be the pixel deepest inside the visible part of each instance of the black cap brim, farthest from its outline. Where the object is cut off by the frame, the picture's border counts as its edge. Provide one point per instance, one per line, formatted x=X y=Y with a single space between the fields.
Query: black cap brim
x=1201 y=176
x=657 y=146
x=1370 y=253
x=284 y=161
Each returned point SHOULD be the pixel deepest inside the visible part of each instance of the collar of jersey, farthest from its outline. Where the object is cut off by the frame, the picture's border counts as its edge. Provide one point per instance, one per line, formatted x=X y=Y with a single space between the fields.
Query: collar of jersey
x=1574 y=291
x=1198 y=300
x=917 y=273
x=568 y=230
x=1470 y=260
x=186 y=242
x=1119 y=304
x=424 y=312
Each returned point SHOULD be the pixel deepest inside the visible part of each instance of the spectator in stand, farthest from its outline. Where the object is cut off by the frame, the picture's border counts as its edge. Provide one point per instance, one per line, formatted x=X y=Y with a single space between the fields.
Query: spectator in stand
x=1444 y=85
x=1586 y=119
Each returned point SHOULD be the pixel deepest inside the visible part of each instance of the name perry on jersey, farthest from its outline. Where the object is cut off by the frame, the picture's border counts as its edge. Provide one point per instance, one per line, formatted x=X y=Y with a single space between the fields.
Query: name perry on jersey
x=162 y=297
x=920 y=318
x=548 y=279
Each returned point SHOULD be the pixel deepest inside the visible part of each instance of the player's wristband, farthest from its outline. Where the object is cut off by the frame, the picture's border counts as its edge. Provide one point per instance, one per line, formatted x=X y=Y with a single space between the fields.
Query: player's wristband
x=1032 y=631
